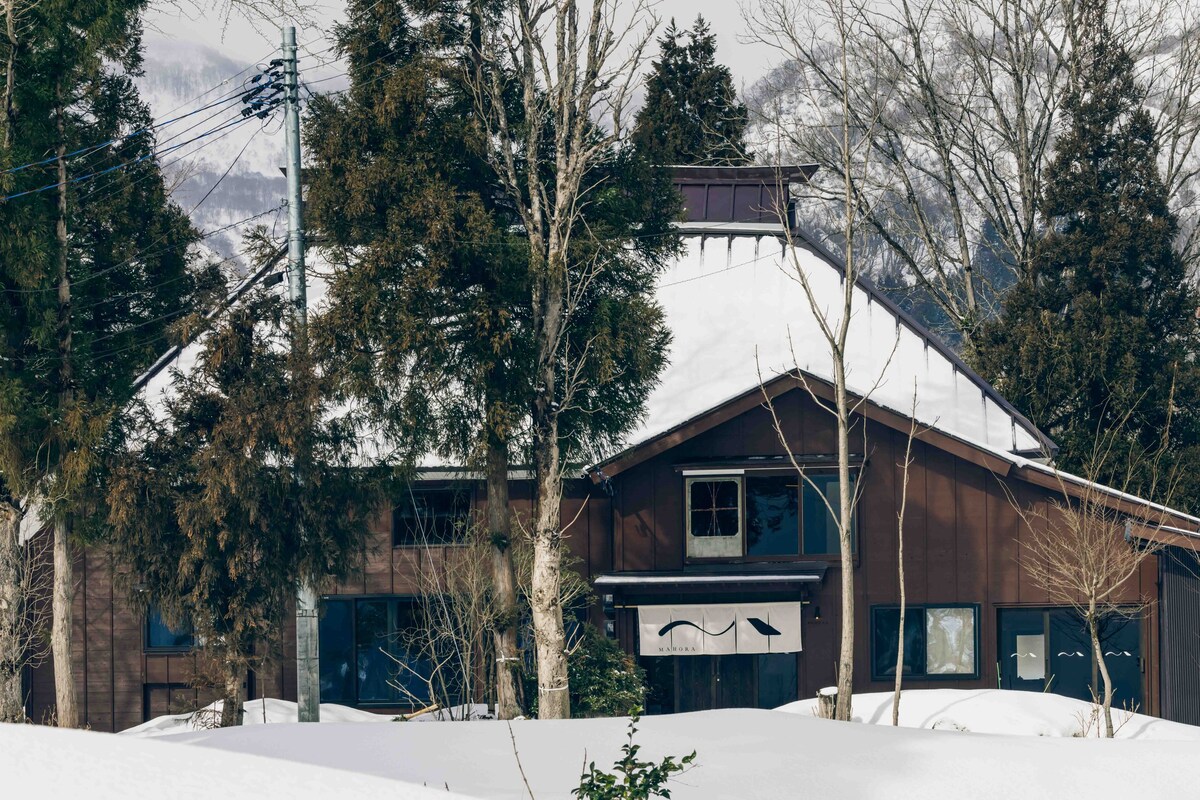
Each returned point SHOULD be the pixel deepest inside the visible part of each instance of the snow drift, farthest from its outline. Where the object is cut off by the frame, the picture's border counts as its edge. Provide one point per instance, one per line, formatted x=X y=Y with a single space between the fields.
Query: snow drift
x=741 y=753
x=1003 y=712
x=37 y=761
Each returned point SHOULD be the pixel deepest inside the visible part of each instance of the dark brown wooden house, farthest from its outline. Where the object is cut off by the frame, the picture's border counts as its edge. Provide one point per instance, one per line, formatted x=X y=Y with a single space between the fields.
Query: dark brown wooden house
x=712 y=560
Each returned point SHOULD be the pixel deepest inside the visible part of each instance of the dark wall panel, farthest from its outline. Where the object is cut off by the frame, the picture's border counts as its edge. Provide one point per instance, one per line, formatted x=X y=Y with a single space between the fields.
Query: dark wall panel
x=1179 y=626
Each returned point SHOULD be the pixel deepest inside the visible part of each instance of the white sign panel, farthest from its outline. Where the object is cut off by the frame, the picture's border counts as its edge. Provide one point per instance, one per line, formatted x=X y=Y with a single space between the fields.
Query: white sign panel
x=719 y=629
x=1031 y=657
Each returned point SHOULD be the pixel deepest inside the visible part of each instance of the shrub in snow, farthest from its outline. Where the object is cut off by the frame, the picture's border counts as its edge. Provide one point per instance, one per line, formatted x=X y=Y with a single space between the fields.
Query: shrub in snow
x=605 y=680
x=631 y=779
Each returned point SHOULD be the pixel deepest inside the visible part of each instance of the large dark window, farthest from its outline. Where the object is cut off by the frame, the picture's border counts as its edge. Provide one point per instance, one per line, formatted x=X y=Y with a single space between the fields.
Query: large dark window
x=161 y=636
x=772 y=515
x=431 y=516
x=1049 y=649
x=939 y=641
x=821 y=500
x=376 y=651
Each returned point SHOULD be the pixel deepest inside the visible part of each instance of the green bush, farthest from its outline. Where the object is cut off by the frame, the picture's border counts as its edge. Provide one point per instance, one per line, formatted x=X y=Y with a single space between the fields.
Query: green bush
x=605 y=680
x=631 y=779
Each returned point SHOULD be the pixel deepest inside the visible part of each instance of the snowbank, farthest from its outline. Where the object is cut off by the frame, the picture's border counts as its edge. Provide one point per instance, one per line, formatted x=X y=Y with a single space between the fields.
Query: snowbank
x=742 y=753
x=37 y=761
x=270 y=711
x=255 y=712
x=1006 y=712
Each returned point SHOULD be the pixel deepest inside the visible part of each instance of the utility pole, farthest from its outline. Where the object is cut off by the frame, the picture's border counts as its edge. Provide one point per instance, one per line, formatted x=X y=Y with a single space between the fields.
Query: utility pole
x=308 y=687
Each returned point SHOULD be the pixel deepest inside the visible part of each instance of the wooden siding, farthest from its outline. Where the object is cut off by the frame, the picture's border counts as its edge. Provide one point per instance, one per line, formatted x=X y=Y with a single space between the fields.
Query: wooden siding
x=120 y=684
x=962 y=540
x=962 y=535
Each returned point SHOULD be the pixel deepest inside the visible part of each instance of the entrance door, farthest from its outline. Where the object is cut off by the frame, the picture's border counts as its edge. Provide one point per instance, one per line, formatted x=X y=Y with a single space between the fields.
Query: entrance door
x=1048 y=649
x=704 y=682
x=699 y=683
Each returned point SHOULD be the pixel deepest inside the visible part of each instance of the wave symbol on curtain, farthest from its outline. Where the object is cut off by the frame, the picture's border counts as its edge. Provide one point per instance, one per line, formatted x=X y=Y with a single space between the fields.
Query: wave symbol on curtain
x=670 y=626
x=762 y=627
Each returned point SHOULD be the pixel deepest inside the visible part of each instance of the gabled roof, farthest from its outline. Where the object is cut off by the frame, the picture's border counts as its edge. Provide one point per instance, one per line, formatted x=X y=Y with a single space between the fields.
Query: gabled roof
x=739 y=318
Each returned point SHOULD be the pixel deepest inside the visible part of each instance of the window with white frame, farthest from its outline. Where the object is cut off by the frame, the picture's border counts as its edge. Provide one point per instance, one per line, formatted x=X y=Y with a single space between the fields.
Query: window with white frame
x=714 y=516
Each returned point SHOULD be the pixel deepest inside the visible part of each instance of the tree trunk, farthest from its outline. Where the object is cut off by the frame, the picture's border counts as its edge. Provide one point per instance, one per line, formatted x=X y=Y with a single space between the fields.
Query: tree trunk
x=13 y=610
x=231 y=698
x=1106 y=703
x=10 y=79
x=504 y=584
x=546 y=603
x=903 y=609
x=66 y=705
x=845 y=676
x=67 y=711
x=912 y=432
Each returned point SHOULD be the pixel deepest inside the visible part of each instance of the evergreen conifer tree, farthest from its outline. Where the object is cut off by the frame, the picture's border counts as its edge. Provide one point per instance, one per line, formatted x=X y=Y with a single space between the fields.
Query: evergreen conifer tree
x=95 y=267
x=691 y=114
x=208 y=511
x=1101 y=337
x=429 y=313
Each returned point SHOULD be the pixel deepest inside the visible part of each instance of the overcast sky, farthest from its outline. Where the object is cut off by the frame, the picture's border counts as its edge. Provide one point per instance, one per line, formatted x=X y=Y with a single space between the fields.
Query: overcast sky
x=242 y=42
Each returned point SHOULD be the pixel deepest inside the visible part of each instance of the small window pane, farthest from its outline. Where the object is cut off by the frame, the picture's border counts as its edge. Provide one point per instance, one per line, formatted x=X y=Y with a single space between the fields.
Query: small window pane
x=772 y=516
x=160 y=636
x=950 y=641
x=432 y=516
x=693 y=202
x=885 y=623
x=714 y=508
x=820 y=525
x=720 y=203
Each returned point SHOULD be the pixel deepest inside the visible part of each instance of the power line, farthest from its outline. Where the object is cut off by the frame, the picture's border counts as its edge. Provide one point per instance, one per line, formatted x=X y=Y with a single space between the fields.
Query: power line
x=145 y=254
x=125 y=137
x=114 y=168
x=224 y=174
x=111 y=190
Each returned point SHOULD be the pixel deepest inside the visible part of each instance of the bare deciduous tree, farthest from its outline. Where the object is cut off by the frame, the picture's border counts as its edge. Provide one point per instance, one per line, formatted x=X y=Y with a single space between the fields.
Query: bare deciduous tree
x=904 y=465
x=572 y=64
x=960 y=149
x=457 y=615
x=847 y=135
x=24 y=581
x=1081 y=551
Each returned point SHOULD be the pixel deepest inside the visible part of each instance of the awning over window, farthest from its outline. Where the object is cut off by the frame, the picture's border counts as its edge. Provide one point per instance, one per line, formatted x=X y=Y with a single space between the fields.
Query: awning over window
x=723 y=629
x=726 y=577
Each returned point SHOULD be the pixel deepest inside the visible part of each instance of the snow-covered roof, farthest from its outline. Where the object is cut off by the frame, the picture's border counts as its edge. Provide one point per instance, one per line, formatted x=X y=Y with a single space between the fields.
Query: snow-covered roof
x=739 y=316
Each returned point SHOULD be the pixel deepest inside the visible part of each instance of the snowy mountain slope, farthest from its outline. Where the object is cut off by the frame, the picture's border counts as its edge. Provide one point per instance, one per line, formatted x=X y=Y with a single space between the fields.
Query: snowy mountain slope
x=175 y=74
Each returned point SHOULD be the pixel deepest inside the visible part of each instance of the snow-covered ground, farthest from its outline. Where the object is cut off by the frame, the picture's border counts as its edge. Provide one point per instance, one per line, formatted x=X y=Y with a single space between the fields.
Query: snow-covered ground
x=744 y=753
x=741 y=753
x=37 y=761
x=996 y=711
